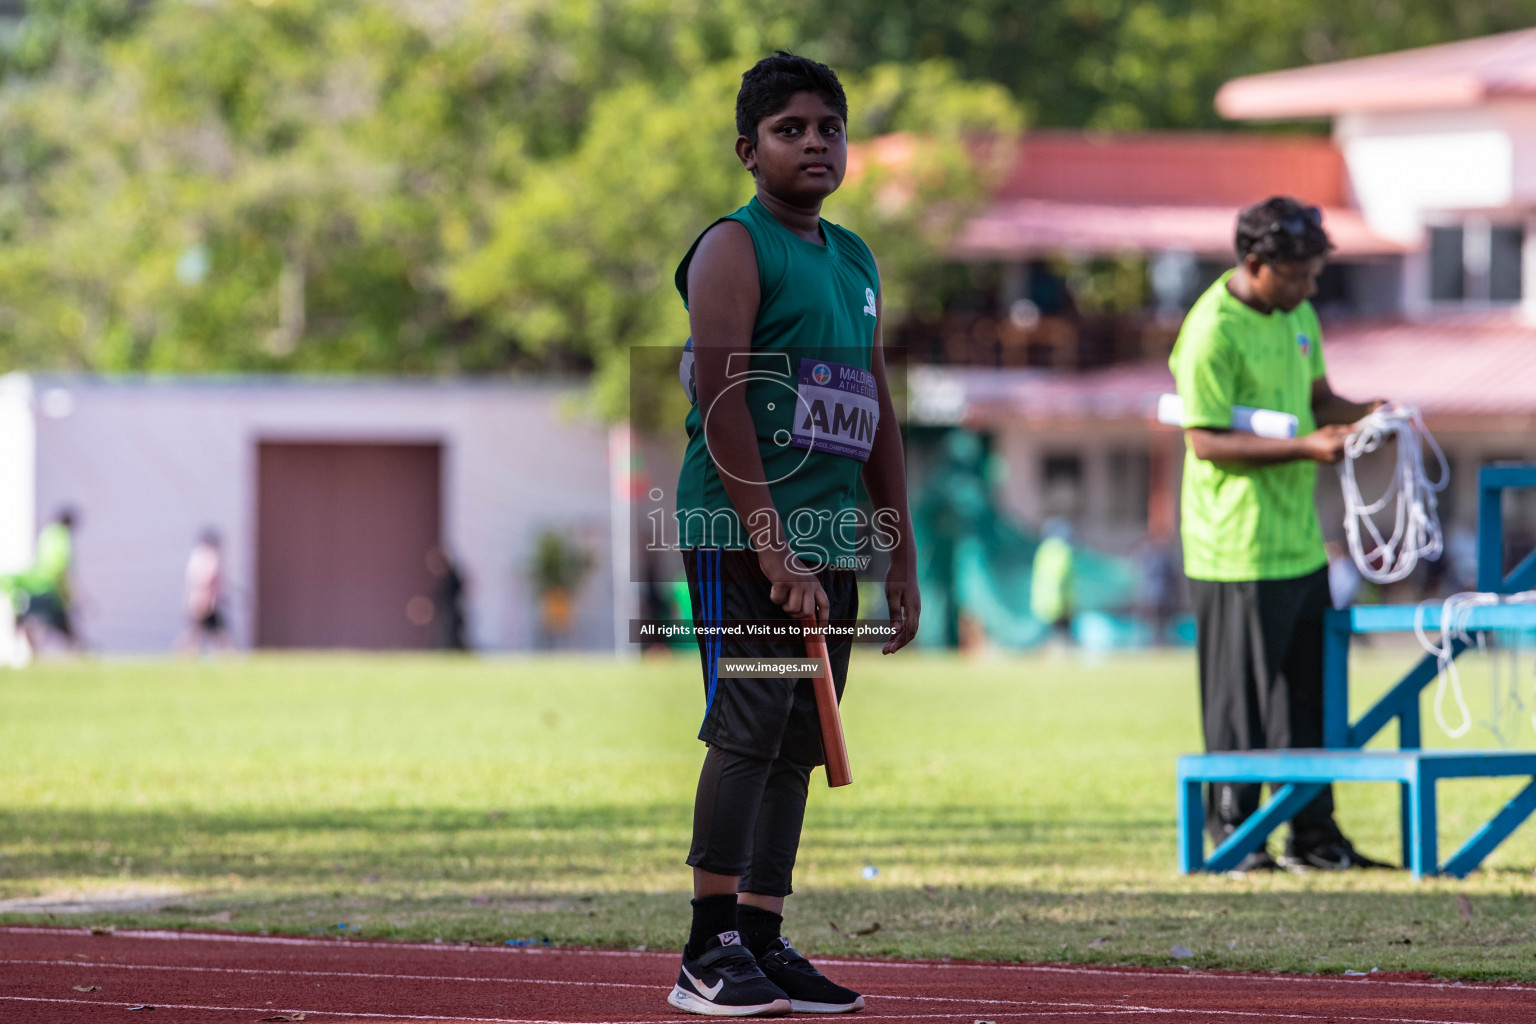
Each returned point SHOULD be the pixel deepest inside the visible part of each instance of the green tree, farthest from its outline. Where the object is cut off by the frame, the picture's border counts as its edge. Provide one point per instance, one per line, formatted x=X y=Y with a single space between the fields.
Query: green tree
x=1137 y=64
x=586 y=249
x=330 y=185
x=483 y=186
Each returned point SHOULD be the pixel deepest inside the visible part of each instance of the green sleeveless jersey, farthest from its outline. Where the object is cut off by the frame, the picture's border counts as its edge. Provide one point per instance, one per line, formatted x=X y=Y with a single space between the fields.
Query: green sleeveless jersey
x=808 y=387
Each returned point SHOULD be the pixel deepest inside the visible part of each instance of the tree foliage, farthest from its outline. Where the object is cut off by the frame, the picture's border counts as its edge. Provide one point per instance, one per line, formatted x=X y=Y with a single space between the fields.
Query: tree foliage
x=361 y=185
x=494 y=185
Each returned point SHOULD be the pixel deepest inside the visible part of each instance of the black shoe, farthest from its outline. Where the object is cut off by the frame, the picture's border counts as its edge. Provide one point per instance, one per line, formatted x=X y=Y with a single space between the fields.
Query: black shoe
x=808 y=989
x=1258 y=860
x=1332 y=855
x=725 y=981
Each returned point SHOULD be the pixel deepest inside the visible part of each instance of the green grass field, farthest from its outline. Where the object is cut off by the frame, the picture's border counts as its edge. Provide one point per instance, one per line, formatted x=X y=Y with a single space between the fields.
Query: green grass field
x=1016 y=809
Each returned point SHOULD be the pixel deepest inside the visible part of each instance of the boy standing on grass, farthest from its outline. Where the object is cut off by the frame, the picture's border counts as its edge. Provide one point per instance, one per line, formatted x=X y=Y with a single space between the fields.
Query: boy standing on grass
x=791 y=412
x=1253 y=549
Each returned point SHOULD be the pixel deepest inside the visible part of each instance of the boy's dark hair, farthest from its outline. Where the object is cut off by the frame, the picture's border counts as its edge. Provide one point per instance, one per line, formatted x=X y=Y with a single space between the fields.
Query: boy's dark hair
x=1281 y=230
x=767 y=86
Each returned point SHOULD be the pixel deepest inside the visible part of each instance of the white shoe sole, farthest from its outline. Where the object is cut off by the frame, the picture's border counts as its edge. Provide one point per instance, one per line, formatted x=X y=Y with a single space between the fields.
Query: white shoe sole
x=691 y=1003
x=801 y=1006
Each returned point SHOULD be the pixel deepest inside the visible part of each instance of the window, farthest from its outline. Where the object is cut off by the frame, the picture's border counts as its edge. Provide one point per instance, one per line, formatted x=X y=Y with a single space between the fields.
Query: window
x=1062 y=493
x=1447 y=279
x=1129 y=472
x=1504 y=268
x=1476 y=261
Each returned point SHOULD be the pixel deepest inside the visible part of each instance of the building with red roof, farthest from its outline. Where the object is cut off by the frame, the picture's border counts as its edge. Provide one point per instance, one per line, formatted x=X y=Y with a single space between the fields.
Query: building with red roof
x=1427 y=183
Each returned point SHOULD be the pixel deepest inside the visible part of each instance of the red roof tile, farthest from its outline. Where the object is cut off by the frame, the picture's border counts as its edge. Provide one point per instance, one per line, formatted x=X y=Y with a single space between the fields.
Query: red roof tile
x=1182 y=169
x=1140 y=193
x=1027 y=227
x=1455 y=367
x=1450 y=75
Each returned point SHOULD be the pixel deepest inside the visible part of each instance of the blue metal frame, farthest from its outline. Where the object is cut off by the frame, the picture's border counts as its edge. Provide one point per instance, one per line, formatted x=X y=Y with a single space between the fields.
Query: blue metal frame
x=1301 y=774
x=1492 y=482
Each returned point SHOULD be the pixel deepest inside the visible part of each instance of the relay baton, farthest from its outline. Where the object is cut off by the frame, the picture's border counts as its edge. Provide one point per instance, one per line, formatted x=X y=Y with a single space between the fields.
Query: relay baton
x=1263 y=422
x=838 y=771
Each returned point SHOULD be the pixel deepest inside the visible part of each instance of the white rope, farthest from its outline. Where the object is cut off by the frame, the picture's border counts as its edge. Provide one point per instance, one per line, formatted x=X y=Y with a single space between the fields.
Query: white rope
x=1416 y=519
x=1455 y=611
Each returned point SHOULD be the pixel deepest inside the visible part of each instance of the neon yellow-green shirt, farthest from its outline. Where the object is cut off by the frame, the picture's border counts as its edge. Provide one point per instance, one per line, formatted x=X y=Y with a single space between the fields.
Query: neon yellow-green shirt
x=1051 y=580
x=50 y=569
x=1248 y=522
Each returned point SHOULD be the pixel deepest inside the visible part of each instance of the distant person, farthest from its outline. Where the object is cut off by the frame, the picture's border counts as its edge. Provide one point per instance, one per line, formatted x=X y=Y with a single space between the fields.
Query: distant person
x=1156 y=585
x=207 y=625
x=1050 y=583
x=1253 y=547
x=42 y=595
x=447 y=601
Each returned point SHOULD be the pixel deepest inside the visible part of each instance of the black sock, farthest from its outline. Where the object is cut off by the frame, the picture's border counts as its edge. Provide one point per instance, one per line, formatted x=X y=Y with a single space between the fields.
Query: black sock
x=712 y=916
x=759 y=927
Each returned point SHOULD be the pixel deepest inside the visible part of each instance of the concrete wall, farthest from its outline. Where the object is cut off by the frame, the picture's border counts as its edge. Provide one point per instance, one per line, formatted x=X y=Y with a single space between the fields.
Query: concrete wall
x=1024 y=447
x=151 y=463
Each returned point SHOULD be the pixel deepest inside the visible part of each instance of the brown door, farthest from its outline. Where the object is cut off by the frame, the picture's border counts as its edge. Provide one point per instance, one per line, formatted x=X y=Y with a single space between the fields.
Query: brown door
x=342 y=534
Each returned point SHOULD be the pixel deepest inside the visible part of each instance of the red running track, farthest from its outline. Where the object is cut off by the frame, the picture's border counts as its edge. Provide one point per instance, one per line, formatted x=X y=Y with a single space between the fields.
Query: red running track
x=214 y=979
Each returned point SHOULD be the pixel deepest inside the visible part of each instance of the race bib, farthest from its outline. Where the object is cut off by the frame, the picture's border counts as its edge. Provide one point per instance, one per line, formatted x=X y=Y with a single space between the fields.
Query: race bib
x=838 y=411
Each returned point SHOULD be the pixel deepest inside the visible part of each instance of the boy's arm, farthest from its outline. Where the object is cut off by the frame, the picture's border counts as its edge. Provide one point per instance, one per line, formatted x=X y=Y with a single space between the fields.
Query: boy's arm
x=885 y=478
x=722 y=310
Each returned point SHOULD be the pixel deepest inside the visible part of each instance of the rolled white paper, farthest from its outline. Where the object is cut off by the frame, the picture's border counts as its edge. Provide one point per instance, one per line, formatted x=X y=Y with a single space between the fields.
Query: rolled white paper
x=1263 y=422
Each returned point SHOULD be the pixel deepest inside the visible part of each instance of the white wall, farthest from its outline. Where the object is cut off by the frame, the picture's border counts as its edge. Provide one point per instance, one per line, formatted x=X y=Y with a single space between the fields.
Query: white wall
x=1404 y=164
x=149 y=464
x=17 y=523
x=1023 y=447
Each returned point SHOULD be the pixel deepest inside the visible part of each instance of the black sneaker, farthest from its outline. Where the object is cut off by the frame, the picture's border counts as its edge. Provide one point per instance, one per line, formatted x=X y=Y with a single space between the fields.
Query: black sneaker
x=808 y=989
x=725 y=981
x=1333 y=855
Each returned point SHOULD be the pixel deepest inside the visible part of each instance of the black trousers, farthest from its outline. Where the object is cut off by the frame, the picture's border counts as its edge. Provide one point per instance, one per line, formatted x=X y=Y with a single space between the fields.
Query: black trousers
x=764 y=734
x=747 y=818
x=1260 y=645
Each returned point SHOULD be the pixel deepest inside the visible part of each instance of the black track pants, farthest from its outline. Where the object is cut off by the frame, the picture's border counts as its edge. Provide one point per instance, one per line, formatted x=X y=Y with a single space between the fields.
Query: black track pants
x=747 y=818
x=764 y=734
x=1260 y=646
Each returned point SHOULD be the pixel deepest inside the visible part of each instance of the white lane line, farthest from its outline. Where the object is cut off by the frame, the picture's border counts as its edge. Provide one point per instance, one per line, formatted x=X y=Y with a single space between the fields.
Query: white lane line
x=375 y=976
x=1075 y=1006
x=365 y=975
x=529 y=1020
x=1155 y=972
x=1093 y=1011
x=384 y=945
x=334 y=1013
x=337 y=943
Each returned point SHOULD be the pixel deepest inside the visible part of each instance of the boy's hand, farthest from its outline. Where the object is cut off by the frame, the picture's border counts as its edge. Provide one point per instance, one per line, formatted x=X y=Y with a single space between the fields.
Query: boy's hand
x=906 y=605
x=794 y=587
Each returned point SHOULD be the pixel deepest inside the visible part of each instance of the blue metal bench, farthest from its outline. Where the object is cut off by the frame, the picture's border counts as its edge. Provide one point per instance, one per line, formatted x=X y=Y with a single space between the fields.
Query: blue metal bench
x=1301 y=774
